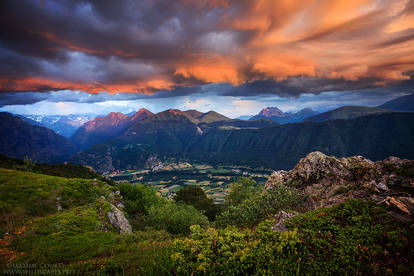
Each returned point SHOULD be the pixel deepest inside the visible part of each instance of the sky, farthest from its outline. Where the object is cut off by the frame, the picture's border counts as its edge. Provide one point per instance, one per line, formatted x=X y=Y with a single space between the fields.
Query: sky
x=231 y=56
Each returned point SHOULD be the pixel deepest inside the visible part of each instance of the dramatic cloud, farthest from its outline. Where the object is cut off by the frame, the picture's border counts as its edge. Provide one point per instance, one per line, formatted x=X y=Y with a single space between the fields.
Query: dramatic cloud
x=243 y=47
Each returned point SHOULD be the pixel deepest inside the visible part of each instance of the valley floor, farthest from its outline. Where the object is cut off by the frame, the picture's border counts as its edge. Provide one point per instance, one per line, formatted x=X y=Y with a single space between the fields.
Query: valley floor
x=214 y=180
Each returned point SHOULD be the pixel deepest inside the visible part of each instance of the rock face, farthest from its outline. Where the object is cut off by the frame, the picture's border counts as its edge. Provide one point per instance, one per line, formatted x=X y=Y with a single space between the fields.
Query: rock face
x=102 y=129
x=118 y=220
x=327 y=180
x=280 y=221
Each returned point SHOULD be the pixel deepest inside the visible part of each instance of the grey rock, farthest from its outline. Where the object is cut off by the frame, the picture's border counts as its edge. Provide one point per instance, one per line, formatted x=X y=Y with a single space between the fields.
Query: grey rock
x=58 y=205
x=118 y=220
x=382 y=187
x=280 y=219
x=321 y=179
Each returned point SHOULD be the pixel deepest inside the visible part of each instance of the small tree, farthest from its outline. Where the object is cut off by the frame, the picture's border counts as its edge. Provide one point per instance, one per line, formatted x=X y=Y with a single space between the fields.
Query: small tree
x=196 y=197
x=138 y=198
x=242 y=189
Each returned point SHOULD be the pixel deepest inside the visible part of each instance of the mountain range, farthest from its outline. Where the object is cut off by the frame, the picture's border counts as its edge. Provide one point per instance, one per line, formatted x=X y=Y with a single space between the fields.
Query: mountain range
x=105 y=128
x=19 y=139
x=141 y=139
x=171 y=134
x=404 y=103
x=65 y=125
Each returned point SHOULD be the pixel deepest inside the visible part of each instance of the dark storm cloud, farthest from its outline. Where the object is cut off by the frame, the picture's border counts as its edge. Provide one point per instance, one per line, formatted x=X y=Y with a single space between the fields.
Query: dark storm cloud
x=173 y=48
x=22 y=98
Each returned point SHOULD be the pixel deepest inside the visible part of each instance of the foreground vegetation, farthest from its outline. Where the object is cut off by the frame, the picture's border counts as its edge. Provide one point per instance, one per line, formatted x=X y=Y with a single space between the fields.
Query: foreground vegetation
x=190 y=235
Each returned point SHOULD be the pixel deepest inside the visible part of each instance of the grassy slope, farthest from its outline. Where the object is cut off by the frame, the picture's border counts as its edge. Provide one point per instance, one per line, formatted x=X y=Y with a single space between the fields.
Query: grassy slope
x=80 y=237
x=25 y=195
x=350 y=238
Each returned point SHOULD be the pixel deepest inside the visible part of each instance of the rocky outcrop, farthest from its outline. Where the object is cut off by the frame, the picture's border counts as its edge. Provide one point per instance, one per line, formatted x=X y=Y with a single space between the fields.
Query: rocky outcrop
x=280 y=219
x=327 y=180
x=118 y=220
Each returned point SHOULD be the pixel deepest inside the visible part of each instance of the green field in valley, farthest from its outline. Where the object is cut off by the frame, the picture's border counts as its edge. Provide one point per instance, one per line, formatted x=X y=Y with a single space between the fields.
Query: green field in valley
x=214 y=180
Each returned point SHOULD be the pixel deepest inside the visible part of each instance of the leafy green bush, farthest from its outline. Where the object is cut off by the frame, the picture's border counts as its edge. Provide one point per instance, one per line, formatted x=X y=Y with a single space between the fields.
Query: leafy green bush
x=174 y=218
x=196 y=197
x=259 y=207
x=351 y=238
x=138 y=198
x=241 y=190
x=356 y=237
x=232 y=251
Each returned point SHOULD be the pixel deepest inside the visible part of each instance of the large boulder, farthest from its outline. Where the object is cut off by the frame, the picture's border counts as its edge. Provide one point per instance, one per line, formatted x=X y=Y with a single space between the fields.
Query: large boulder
x=327 y=181
x=118 y=220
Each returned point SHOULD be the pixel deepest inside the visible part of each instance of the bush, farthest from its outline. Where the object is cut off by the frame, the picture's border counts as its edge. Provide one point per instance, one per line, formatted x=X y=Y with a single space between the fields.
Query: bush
x=259 y=207
x=138 y=198
x=196 y=197
x=241 y=190
x=174 y=218
x=356 y=237
x=232 y=251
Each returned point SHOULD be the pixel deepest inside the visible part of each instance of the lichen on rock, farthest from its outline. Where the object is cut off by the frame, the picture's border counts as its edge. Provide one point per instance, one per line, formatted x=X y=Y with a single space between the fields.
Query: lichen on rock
x=118 y=220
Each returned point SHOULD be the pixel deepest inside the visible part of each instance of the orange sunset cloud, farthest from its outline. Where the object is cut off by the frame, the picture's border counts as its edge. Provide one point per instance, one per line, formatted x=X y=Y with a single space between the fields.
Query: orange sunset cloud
x=222 y=42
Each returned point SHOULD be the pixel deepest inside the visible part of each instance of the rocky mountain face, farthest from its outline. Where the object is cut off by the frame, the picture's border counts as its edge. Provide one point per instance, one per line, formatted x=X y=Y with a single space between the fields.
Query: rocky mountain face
x=102 y=129
x=326 y=181
x=271 y=112
x=140 y=115
x=19 y=139
x=280 y=117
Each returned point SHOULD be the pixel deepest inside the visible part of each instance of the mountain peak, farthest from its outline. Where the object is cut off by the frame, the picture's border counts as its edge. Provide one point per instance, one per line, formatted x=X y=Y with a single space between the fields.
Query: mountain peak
x=143 y=110
x=193 y=113
x=272 y=112
x=141 y=114
x=116 y=115
x=212 y=116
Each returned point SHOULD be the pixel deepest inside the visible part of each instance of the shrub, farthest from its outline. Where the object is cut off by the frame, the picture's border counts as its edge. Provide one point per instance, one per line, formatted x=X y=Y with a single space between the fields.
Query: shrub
x=174 y=218
x=259 y=207
x=196 y=197
x=342 y=190
x=242 y=189
x=232 y=251
x=138 y=198
x=356 y=237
